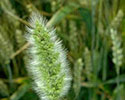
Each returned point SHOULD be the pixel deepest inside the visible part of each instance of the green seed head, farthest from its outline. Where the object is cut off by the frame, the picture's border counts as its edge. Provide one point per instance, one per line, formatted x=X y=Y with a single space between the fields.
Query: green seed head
x=47 y=63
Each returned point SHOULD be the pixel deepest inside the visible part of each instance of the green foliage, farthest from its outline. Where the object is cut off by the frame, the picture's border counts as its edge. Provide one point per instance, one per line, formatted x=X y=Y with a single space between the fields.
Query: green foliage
x=92 y=32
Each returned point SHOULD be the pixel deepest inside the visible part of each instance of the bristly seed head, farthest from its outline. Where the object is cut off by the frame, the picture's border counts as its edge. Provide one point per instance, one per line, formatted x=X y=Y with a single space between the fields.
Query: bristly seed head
x=47 y=62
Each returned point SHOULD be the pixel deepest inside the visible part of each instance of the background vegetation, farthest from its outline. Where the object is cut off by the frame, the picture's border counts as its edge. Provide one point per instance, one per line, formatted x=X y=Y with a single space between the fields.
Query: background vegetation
x=93 y=33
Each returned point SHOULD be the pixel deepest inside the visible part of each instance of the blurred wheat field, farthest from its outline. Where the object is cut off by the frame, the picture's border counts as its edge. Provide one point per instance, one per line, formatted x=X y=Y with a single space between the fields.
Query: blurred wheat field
x=92 y=31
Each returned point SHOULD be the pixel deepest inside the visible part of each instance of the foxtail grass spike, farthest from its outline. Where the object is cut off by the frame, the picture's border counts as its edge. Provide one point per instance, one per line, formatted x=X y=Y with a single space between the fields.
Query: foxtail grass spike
x=47 y=62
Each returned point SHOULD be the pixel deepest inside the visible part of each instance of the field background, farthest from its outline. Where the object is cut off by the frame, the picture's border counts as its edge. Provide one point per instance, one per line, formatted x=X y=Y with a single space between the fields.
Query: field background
x=92 y=31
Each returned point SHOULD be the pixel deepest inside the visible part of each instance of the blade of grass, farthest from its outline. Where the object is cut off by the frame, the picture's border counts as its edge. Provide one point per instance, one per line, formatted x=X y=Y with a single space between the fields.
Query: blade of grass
x=114 y=80
x=20 y=92
x=62 y=13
